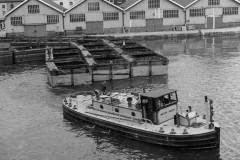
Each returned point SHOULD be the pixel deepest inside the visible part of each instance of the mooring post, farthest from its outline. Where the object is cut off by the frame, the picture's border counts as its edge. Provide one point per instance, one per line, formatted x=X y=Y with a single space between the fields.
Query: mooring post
x=13 y=57
x=110 y=71
x=130 y=70
x=92 y=75
x=72 y=77
x=150 y=68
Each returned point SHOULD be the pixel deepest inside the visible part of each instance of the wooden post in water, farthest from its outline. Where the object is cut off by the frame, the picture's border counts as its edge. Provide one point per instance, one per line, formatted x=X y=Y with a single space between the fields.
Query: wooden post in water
x=110 y=71
x=150 y=68
x=72 y=77
x=92 y=75
x=13 y=57
x=130 y=70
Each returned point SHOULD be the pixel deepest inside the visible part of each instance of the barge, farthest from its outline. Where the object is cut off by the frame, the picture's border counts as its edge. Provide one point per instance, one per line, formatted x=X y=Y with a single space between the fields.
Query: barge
x=152 y=117
x=89 y=60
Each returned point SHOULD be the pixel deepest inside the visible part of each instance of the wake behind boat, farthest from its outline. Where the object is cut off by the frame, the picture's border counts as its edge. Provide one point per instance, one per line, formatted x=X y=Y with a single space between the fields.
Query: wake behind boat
x=152 y=117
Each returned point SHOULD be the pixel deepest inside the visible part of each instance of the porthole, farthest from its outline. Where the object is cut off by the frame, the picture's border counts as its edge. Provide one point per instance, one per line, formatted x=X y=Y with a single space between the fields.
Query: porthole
x=116 y=110
x=133 y=114
x=101 y=106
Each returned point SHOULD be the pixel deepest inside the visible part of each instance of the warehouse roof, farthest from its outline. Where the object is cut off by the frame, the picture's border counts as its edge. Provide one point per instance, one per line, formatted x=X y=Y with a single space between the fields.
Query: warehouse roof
x=181 y=3
x=129 y=4
x=10 y=1
x=82 y=1
x=48 y=3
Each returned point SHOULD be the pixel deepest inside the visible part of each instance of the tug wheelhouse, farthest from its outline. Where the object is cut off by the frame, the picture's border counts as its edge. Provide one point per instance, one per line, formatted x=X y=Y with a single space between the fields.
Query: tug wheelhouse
x=160 y=105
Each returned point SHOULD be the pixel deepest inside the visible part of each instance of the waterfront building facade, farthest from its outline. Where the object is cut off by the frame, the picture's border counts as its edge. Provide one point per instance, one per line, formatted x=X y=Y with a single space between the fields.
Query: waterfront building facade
x=35 y=18
x=7 y=5
x=213 y=14
x=94 y=17
x=152 y=15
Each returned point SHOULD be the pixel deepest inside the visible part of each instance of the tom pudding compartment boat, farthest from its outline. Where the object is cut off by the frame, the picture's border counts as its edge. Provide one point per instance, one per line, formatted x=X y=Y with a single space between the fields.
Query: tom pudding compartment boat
x=152 y=117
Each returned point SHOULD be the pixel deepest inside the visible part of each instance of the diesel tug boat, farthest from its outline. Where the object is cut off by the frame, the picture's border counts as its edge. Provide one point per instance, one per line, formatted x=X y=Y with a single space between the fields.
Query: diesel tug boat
x=152 y=117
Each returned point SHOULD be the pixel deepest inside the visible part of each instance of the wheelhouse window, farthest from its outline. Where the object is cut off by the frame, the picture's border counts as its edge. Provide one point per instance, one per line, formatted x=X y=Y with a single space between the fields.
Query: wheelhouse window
x=196 y=12
x=110 y=16
x=93 y=6
x=153 y=3
x=33 y=9
x=116 y=110
x=213 y=2
x=77 y=17
x=16 y=21
x=230 y=11
x=137 y=15
x=170 y=14
x=52 y=19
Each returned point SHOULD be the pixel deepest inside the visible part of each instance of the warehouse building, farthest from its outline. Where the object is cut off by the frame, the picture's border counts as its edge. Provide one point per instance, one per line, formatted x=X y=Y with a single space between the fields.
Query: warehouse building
x=35 y=18
x=152 y=15
x=7 y=5
x=94 y=17
x=213 y=13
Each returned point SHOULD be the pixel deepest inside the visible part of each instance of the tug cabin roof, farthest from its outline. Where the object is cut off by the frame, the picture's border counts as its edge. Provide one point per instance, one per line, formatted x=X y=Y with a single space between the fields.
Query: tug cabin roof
x=158 y=93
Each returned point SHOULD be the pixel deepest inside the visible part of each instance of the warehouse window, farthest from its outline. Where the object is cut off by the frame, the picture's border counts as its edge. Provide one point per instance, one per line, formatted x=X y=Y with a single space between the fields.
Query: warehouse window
x=61 y=3
x=52 y=19
x=170 y=13
x=137 y=15
x=3 y=6
x=70 y=3
x=197 y=12
x=33 y=9
x=230 y=11
x=16 y=21
x=153 y=3
x=93 y=6
x=213 y=2
x=110 y=16
x=11 y=6
x=77 y=17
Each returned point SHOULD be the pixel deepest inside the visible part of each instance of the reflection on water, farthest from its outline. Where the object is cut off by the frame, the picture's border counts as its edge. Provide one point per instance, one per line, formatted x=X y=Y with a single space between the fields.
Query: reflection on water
x=32 y=125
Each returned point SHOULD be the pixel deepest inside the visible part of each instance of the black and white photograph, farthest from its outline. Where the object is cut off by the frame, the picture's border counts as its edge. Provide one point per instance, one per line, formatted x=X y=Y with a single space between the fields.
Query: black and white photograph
x=119 y=80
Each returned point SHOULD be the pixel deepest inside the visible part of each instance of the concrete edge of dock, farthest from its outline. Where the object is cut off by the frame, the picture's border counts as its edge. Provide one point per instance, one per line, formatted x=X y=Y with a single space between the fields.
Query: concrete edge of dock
x=172 y=34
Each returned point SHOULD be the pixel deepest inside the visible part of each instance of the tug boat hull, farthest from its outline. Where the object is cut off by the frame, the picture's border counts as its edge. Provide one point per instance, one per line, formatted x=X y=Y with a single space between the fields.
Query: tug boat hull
x=197 y=141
